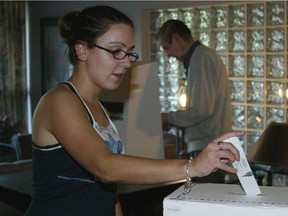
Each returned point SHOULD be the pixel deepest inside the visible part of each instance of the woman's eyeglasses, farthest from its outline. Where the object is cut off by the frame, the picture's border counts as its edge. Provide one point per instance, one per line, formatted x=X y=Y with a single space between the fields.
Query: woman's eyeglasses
x=120 y=54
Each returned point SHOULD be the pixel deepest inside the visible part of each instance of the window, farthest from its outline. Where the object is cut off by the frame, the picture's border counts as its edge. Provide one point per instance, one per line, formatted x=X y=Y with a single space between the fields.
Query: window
x=13 y=82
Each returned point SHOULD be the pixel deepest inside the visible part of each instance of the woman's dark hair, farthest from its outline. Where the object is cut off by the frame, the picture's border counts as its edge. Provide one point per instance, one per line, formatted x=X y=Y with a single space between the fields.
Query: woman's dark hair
x=88 y=25
x=172 y=26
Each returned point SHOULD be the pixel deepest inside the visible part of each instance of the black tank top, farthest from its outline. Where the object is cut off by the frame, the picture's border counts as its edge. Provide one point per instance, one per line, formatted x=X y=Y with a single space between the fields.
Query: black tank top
x=63 y=187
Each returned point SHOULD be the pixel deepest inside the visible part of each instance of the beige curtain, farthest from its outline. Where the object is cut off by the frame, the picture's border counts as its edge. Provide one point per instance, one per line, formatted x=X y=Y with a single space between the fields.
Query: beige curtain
x=13 y=90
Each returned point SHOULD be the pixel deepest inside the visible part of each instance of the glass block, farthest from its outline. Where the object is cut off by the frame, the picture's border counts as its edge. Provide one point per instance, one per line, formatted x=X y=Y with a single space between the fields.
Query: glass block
x=181 y=71
x=242 y=141
x=161 y=68
x=171 y=14
x=255 y=40
x=255 y=117
x=275 y=66
x=186 y=15
x=286 y=93
x=167 y=105
x=161 y=87
x=171 y=105
x=274 y=115
x=202 y=18
x=255 y=14
x=275 y=39
x=238 y=113
x=162 y=106
x=237 y=89
x=252 y=138
x=287 y=32
x=161 y=50
x=219 y=41
x=236 y=66
x=255 y=66
x=204 y=37
x=171 y=87
x=162 y=63
x=275 y=92
x=236 y=15
x=255 y=92
x=219 y=17
x=224 y=60
x=275 y=12
x=286 y=13
x=172 y=66
x=236 y=41
x=156 y=20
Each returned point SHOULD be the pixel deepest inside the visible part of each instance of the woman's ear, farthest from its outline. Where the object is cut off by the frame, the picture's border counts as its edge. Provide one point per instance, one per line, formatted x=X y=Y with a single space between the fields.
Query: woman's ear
x=81 y=51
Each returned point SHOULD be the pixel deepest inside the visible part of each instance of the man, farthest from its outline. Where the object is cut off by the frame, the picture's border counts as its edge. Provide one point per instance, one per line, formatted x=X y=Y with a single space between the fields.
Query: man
x=208 y=109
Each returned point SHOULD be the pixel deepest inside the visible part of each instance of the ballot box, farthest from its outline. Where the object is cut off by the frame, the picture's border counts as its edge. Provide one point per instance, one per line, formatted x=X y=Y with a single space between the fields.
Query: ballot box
x=209 y=199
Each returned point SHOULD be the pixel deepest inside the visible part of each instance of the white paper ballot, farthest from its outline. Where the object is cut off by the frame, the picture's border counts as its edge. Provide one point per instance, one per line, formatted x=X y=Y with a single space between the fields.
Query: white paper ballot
x=245 y=174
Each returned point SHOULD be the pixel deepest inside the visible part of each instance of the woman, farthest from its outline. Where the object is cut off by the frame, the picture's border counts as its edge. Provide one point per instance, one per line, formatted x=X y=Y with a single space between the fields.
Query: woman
x=77 y=153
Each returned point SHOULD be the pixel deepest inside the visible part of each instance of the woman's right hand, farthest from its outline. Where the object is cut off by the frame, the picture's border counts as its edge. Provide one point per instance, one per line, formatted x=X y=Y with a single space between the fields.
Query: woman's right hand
x=215 y=156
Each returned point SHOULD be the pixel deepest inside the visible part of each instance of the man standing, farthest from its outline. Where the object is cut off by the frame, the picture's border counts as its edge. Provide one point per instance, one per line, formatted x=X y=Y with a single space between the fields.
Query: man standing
x=208 y=109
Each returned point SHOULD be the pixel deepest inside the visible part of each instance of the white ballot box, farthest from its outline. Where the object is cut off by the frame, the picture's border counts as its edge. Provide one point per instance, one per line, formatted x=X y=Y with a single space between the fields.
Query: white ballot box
x=226 y=200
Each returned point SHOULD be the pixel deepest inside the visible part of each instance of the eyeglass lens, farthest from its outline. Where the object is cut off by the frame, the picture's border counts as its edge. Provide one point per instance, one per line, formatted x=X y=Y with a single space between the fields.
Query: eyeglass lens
x=121 y=54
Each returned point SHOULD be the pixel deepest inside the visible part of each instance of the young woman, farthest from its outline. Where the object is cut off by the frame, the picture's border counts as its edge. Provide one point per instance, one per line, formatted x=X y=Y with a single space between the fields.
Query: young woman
x=78 y=156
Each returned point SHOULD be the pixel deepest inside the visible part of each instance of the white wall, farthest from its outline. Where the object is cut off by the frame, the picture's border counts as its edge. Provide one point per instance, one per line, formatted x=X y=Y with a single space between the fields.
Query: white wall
x=144 y=130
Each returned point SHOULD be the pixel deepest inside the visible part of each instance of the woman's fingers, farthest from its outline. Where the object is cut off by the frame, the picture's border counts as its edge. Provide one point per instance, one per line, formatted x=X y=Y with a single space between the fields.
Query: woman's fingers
x=227 y=168
x=221 y=145
x=229 y=135
x=217 y=155
x=229 y=151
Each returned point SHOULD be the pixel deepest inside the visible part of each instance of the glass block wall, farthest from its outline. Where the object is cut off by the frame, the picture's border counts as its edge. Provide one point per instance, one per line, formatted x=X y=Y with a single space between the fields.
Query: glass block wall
x=251 y=38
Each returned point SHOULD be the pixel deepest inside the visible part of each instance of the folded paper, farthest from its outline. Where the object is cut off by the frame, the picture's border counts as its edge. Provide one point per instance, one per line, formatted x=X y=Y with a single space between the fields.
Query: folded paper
x=245 y=174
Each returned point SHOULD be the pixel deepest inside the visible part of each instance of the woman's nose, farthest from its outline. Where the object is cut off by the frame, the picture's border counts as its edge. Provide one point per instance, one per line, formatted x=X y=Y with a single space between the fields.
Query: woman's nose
x=127 y=62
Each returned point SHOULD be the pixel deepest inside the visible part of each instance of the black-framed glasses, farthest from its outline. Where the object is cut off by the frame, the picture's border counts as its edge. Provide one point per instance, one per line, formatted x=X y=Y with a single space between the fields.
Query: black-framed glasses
x=120 y=54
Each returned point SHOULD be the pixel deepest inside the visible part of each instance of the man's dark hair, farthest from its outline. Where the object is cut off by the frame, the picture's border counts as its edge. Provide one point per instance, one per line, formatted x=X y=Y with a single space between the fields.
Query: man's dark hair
x=172 y=26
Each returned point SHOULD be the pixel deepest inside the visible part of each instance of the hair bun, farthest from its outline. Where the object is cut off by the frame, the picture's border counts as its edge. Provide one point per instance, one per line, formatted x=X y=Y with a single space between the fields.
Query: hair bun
x=68 y=26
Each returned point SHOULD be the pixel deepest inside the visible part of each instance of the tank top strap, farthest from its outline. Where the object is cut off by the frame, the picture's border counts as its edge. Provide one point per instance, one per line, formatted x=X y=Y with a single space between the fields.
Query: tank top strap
x=72 y=87
x=107 y=116
x=93 y=122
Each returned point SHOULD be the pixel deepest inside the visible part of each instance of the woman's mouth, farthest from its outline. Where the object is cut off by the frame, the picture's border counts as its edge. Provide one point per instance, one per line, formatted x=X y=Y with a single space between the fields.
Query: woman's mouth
x=119 y=75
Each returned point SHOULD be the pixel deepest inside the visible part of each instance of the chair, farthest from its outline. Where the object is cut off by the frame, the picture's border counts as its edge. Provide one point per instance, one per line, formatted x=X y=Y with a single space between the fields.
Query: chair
x=21 y=145
x=270 y=152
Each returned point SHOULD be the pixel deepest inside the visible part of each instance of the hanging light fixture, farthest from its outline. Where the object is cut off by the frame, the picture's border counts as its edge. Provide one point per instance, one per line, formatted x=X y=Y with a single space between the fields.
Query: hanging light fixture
x=182 y=97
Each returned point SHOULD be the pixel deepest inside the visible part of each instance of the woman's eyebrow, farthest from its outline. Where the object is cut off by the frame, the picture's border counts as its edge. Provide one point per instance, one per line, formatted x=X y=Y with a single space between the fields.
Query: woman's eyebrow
x=122 y=44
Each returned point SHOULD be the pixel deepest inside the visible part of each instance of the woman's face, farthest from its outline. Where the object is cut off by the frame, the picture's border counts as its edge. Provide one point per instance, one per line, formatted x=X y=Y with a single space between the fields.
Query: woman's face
x=106 y=71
